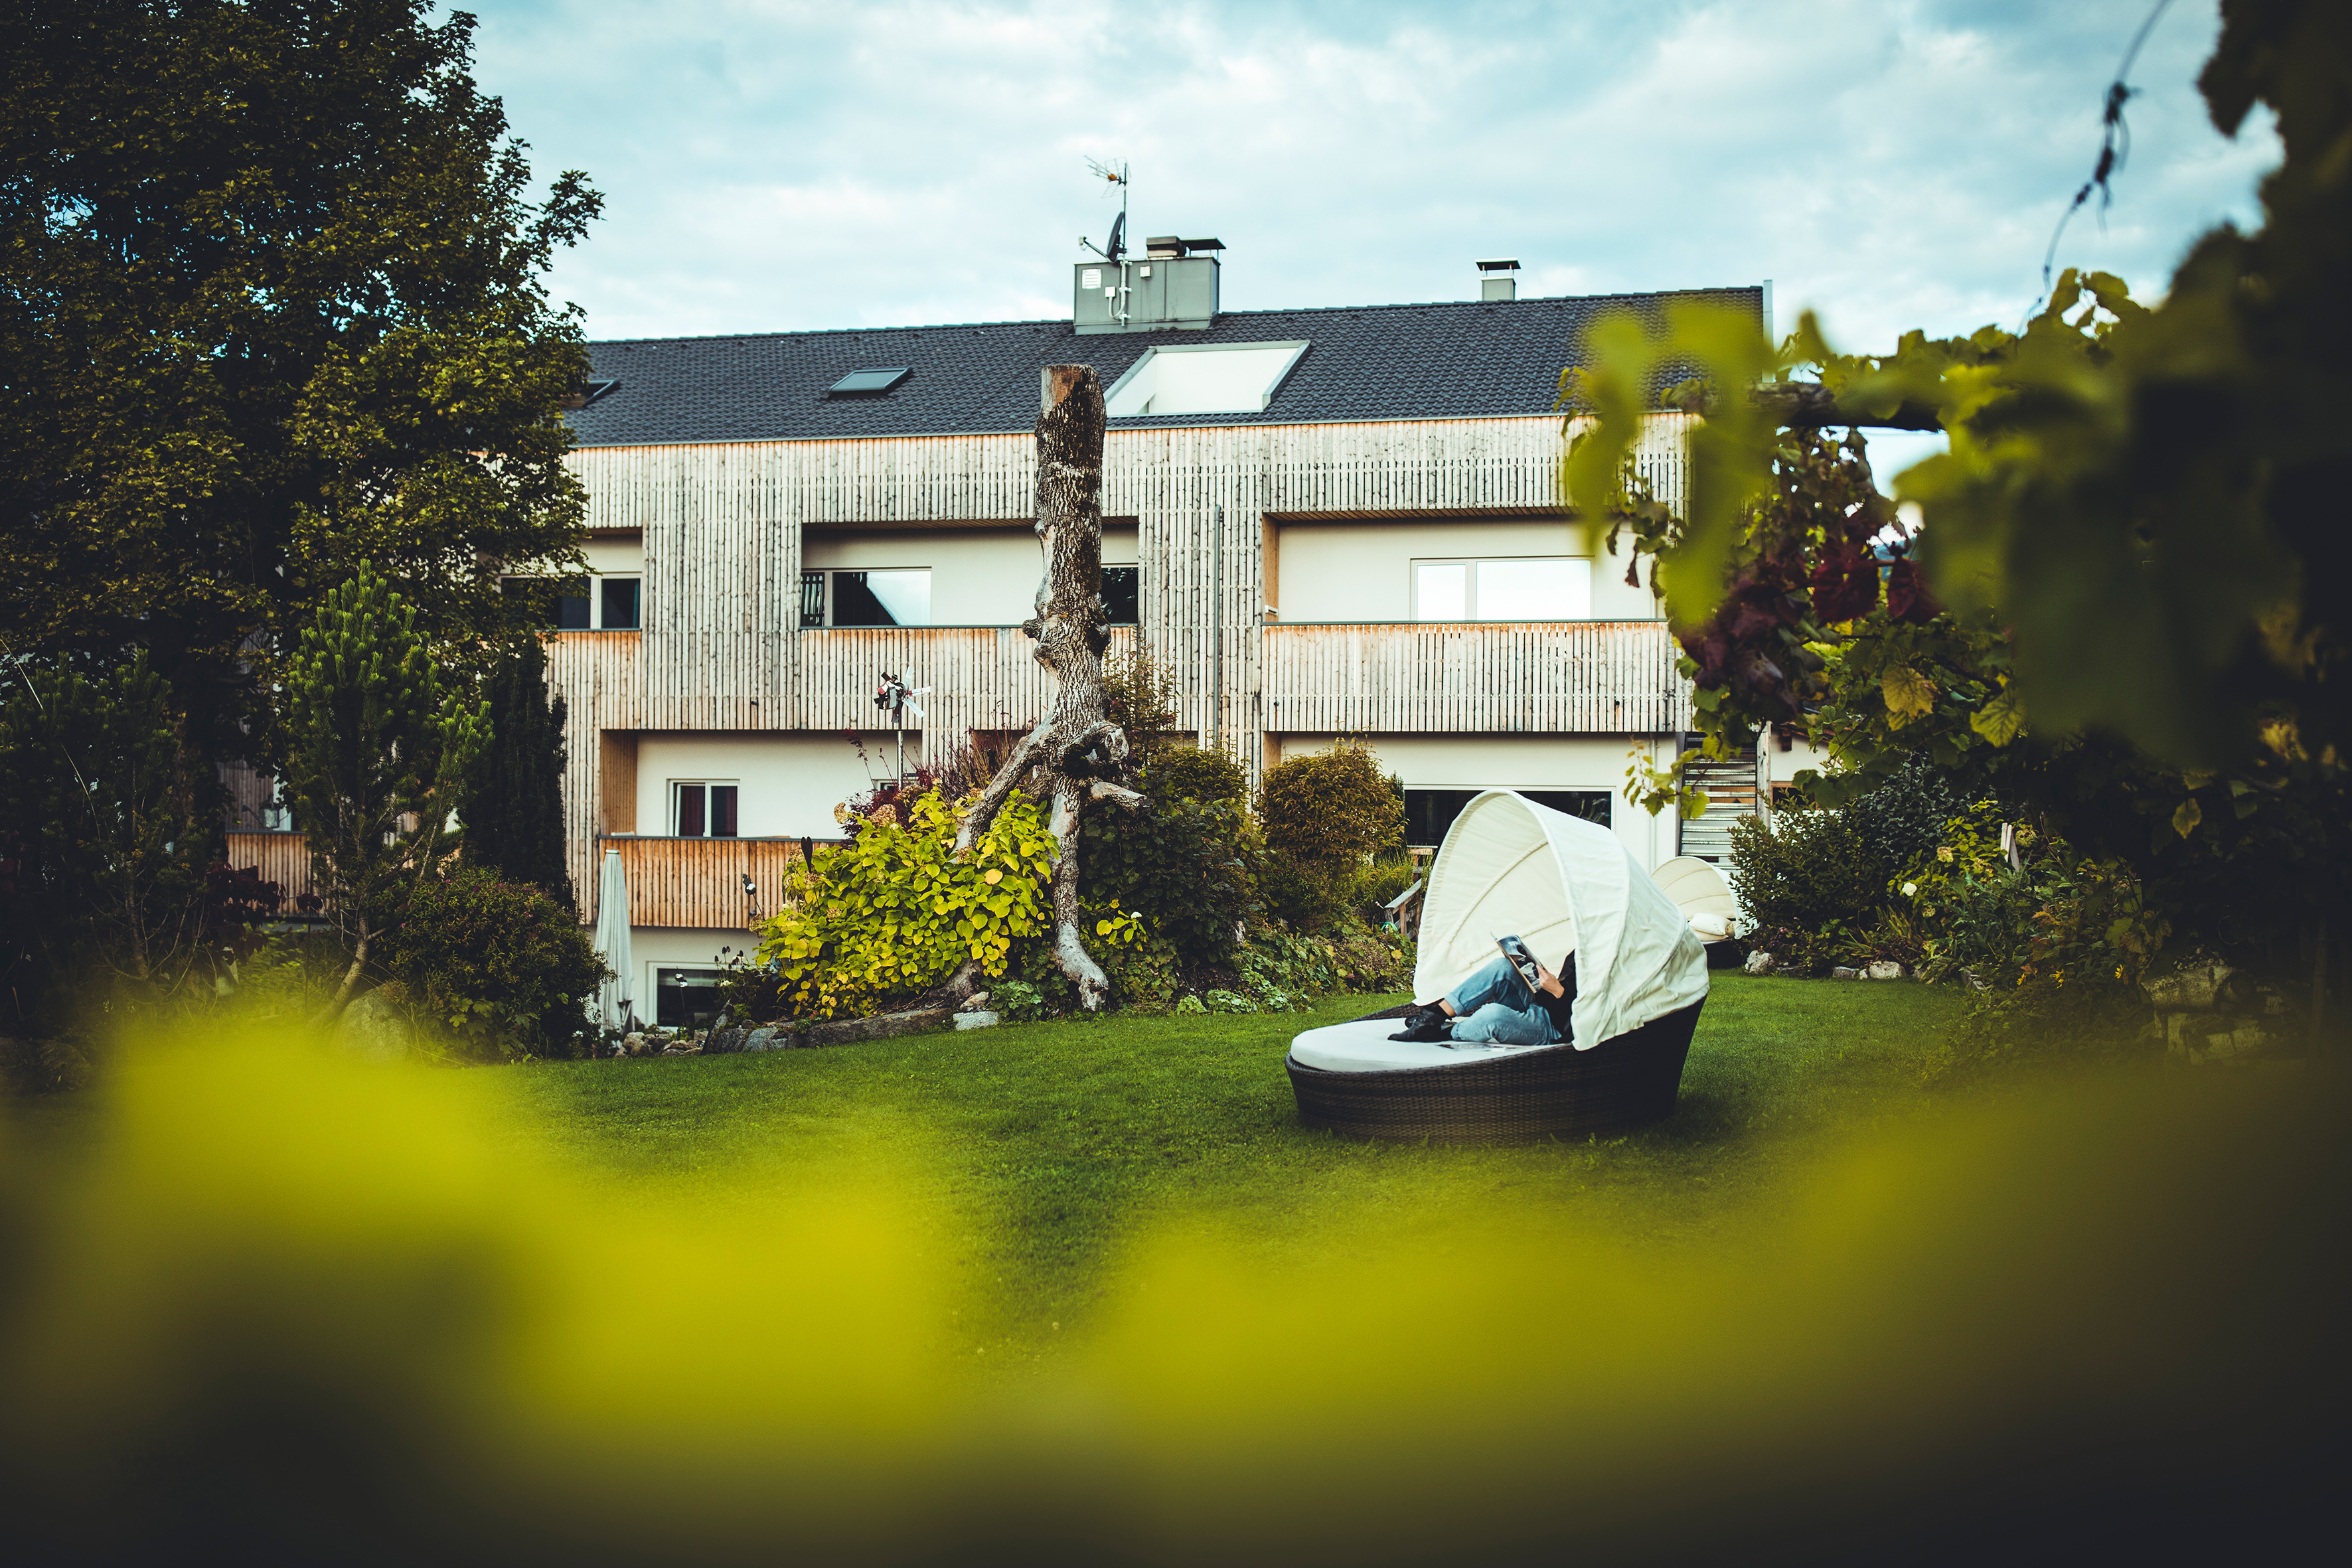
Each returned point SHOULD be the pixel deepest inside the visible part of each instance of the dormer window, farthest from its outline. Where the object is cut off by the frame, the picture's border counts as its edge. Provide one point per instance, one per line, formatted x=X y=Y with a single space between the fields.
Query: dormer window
x=868 y=382
x=1207 y=378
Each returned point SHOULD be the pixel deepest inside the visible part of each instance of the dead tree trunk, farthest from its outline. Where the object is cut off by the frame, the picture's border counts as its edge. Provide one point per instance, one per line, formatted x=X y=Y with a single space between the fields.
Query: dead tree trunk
x=1078 y=753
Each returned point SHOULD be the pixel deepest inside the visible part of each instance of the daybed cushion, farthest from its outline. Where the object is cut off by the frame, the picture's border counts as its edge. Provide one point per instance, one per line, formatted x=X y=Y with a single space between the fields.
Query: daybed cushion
x=1711 y=926
x=1364 y=1046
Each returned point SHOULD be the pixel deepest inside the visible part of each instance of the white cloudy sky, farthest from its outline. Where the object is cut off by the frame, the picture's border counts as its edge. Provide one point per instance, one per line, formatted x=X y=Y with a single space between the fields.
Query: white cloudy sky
x=771 y=165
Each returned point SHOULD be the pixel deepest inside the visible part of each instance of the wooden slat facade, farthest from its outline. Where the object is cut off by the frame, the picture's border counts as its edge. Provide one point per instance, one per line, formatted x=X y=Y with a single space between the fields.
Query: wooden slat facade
x=1612 y=677
x=697 y=882
x=280 y=858
x=721 y=527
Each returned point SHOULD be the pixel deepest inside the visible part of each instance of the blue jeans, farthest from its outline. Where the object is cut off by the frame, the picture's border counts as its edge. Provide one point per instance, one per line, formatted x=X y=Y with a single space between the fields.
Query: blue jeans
x=1494 y=1005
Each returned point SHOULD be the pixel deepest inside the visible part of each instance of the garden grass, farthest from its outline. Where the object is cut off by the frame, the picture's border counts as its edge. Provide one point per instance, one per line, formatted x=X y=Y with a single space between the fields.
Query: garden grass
x=1037 y=1156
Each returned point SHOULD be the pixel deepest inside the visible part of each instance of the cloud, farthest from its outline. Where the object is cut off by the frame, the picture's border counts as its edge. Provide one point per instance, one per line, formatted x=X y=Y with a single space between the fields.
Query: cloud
x=773 y=166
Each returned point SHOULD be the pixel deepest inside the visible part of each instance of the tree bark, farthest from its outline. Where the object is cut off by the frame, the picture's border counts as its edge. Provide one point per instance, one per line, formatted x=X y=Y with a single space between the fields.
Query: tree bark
x=1078 y=753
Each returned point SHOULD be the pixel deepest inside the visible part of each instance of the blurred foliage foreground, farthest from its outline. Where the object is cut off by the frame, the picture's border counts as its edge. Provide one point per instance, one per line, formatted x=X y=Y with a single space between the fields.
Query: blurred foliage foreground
x=282 y=1304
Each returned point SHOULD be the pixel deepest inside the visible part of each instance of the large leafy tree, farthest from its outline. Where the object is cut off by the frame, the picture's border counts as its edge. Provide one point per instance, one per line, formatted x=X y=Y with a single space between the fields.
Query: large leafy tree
x=270 y=302
x=2122 y=602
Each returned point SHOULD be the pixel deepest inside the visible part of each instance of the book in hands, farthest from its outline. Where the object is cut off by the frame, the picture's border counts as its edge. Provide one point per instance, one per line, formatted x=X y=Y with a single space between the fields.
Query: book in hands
x=1523 y=962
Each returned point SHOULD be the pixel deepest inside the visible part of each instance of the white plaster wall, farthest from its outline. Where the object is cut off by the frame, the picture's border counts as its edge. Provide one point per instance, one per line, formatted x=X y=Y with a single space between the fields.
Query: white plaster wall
x=1364 y=571
x=623 y=557
x=790 y=781
x=1561 y=763
x=980 y=576
x=1801 y=754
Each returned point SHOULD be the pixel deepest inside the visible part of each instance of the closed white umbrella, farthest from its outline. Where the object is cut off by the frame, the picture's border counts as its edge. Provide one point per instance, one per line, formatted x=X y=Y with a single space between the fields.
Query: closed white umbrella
x=615 y=996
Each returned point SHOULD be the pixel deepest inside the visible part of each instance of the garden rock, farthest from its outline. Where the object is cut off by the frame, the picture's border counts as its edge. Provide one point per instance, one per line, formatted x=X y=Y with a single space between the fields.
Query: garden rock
x=724 y=1042
x=768 y=1039
x=1883 y=969
x=981 y=1020
x=635 y=1045
x=1759 y=964
x=374 y=1028
x=975 y=1003
x=1842 y=972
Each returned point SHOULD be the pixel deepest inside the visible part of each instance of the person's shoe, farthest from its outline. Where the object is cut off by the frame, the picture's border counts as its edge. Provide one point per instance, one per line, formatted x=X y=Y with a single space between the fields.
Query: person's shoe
x=1427 y=1026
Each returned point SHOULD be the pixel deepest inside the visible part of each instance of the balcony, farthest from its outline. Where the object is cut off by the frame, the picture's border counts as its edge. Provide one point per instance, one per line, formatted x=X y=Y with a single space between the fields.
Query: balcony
x=697 y=882
x=1444 y=676
x=982 y=677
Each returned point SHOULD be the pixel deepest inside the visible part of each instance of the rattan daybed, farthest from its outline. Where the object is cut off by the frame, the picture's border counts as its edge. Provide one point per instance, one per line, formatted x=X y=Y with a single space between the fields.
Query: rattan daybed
x=1509 y=865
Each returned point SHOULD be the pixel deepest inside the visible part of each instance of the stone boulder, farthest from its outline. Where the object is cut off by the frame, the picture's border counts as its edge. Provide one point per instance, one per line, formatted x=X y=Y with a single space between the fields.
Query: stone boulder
x=1759 y=964
x=374 y=1027
x=1882 y=969
x=983 y=1020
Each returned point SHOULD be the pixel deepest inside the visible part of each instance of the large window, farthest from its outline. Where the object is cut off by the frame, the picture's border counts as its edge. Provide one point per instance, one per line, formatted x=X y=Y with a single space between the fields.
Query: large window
x=895 y=599
x=687 y=998
x=616 y=604
x=702 y=809
x=1555 y=588
x=1428 y=812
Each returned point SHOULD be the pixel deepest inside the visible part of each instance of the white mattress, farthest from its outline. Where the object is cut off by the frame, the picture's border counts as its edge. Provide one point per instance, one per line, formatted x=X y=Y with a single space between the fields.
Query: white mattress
x=1365 y=1047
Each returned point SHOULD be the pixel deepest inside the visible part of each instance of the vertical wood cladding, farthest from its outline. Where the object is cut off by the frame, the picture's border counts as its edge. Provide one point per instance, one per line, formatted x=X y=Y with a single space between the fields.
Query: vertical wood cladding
x=721 y=648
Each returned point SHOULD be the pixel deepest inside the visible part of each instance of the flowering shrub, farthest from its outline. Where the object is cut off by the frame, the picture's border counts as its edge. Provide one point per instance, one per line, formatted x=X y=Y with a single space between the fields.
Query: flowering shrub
x=897 y=910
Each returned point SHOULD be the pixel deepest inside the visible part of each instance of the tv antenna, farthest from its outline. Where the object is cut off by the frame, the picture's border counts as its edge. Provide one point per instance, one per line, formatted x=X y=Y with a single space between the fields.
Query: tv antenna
x=1117 y=247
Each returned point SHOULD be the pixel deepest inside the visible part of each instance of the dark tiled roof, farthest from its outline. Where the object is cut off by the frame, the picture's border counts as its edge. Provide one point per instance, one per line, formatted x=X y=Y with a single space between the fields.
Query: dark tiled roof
x=1378 y=362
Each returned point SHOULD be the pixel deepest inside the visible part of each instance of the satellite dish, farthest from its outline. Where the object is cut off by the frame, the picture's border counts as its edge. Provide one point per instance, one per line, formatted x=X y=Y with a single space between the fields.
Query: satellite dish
x=1118 y=243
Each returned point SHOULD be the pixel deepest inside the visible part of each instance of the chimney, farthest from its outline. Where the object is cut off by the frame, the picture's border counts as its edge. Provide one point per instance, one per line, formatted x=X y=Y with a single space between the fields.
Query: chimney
x=1498 y=279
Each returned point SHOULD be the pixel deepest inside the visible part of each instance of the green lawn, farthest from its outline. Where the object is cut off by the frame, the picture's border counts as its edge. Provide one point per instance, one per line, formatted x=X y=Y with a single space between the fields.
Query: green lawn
x=1042 y=1152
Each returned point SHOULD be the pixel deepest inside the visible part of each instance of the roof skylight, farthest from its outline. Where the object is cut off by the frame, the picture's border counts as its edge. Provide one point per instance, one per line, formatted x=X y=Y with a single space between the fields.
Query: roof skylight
x=867 y=383
x=1207 y=378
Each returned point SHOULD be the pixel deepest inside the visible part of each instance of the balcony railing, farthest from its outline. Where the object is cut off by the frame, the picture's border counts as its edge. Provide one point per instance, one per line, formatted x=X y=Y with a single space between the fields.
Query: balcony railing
x=982 y=677
x=280 y=858
x=699 y=881
x=1593 y=676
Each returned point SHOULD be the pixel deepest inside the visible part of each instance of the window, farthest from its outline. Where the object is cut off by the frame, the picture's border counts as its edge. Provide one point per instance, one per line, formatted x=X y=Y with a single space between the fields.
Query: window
x=900 y=598
x=702 y=809
x=867 y=383
x=1428 y=812
x=811 y=598
x=618 y=603
x=1122 y=590
x=687 y=998
x=1207 y=378
x=577 y=602
x=1556 y=588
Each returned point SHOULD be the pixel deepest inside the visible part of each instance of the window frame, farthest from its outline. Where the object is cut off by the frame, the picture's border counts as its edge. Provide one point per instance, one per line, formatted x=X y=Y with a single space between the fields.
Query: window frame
x=677 y=788
x=1470 y=564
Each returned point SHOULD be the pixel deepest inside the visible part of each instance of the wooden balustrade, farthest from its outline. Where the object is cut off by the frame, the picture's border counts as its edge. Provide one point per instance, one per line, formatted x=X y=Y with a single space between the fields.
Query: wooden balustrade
x=1557 y=677
x=982 y=677
x=280 y=858
x=697 y=882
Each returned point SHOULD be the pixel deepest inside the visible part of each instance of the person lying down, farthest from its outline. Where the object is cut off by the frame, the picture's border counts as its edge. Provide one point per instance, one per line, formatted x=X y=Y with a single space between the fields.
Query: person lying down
x=1493 y=1008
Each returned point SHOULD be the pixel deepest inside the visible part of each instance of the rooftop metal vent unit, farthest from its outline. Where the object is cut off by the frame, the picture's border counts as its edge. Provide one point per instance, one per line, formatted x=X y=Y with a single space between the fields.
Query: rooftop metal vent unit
x=1172 y=287
x=1498 y=279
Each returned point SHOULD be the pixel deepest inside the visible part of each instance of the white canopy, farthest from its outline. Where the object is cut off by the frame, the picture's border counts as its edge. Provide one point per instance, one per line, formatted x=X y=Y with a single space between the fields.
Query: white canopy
x=1562 y=884
x=1699 y=890
x=616 y=997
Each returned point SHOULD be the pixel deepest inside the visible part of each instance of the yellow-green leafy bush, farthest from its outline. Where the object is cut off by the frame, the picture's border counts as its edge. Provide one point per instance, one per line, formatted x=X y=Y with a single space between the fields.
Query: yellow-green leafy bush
x=897 y=910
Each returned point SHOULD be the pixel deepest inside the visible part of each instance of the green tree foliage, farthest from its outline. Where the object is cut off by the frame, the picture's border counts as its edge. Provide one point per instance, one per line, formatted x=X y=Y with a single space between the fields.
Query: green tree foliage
x=270 y=302
x=1188 y=866
x=1324 y=815
x=1139 y=697
x=2119 y=611
x=500 y=966
x=109 y=860
x=381 y=752
x=513 y=806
